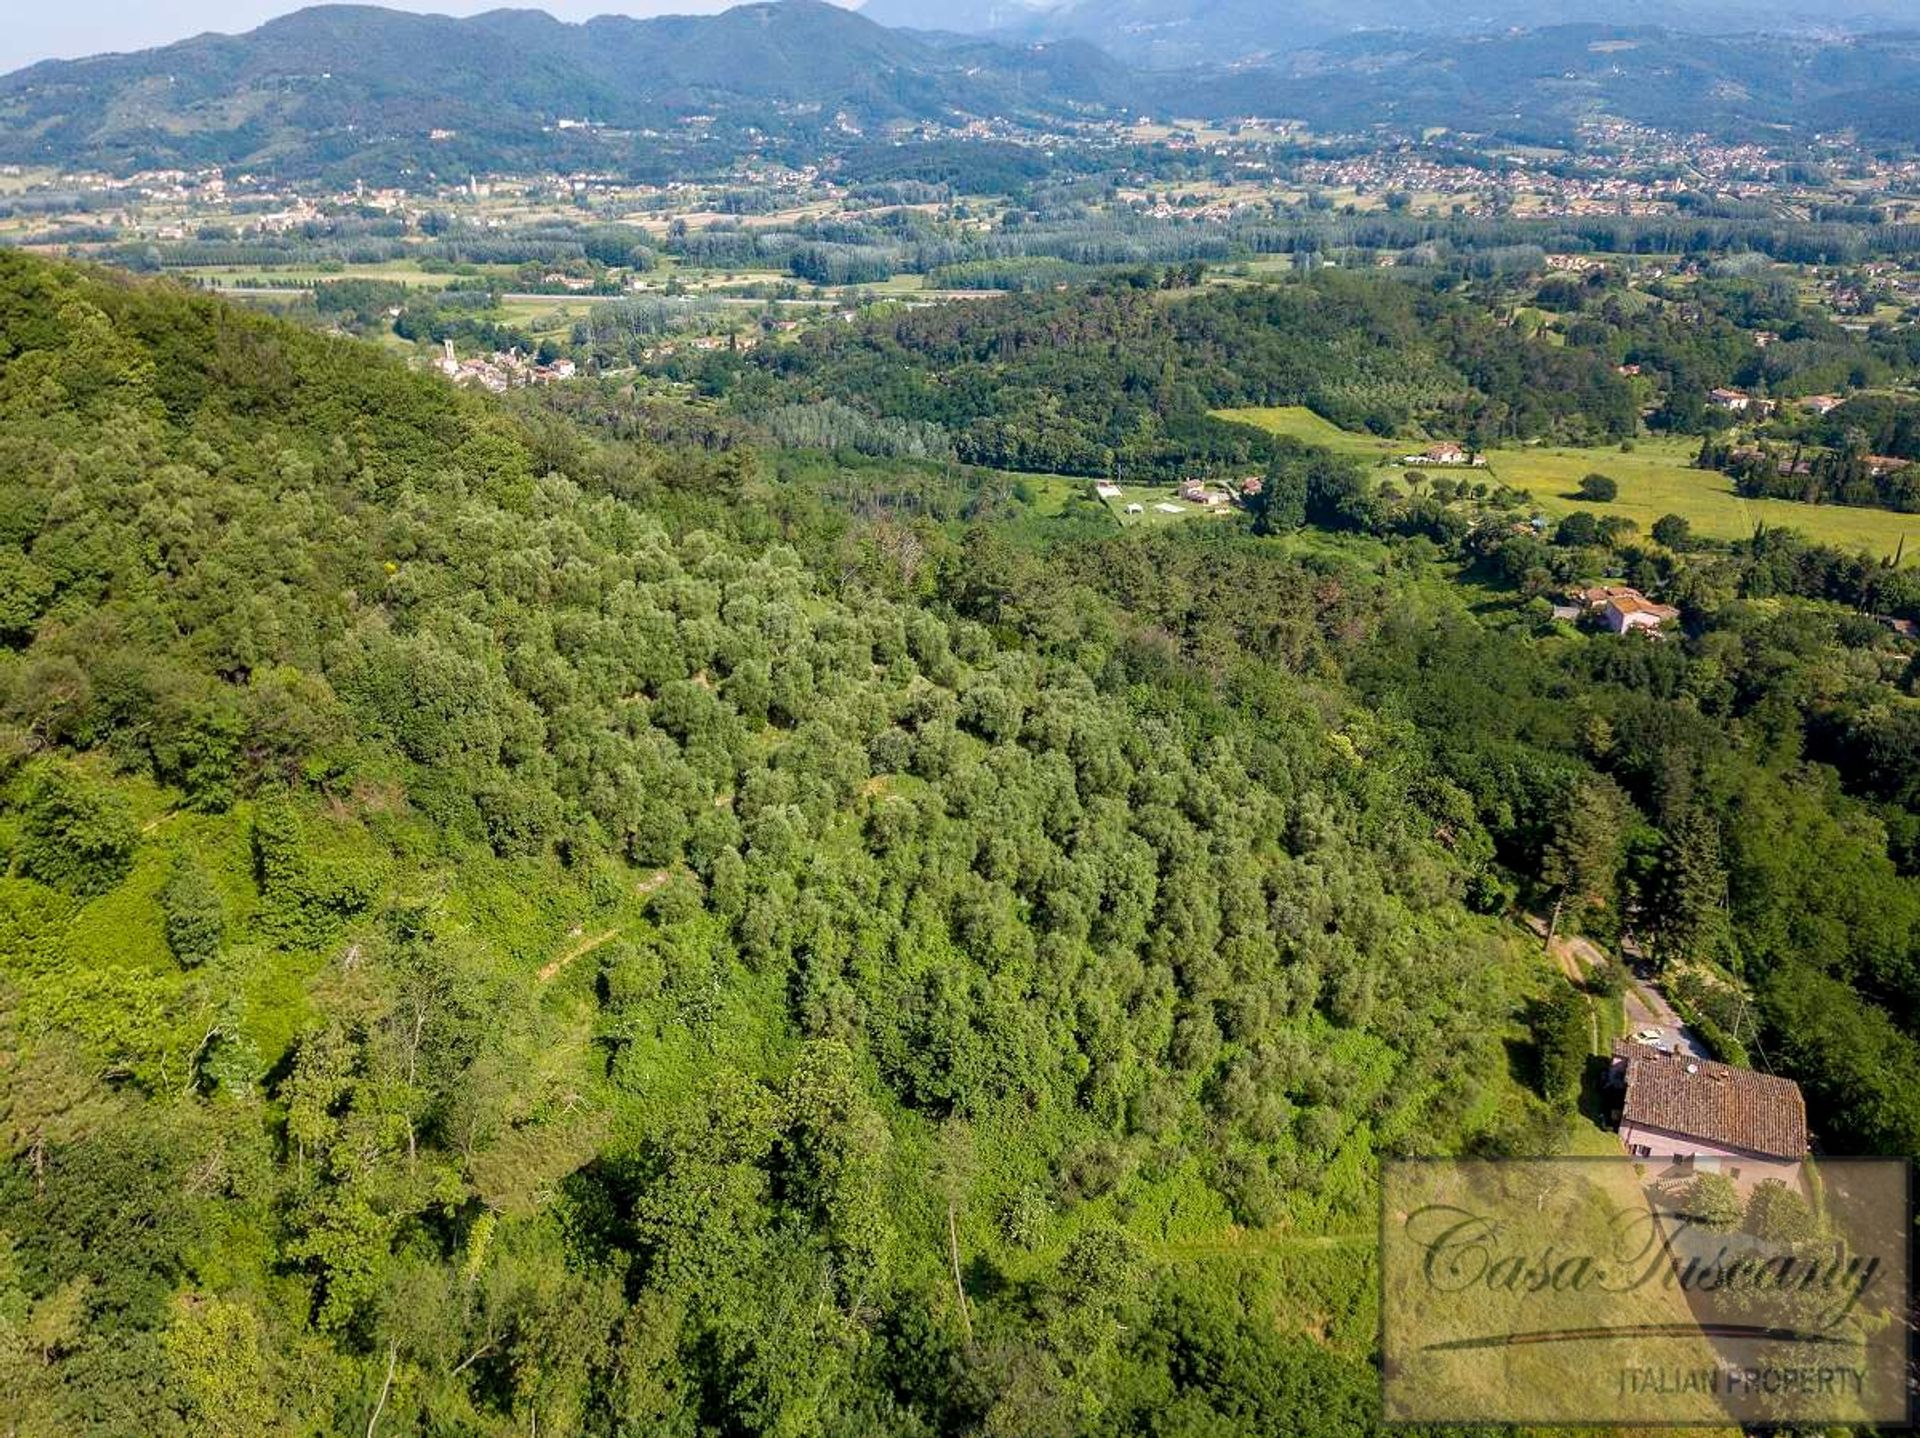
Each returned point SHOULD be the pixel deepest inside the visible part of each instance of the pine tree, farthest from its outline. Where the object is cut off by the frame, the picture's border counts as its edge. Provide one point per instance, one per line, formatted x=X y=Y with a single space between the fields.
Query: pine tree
x=1690 y=890
x=1582 y=857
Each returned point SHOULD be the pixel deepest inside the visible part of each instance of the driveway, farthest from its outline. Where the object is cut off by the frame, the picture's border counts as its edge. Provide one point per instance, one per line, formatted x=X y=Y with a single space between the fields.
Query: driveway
x=1646 y=1007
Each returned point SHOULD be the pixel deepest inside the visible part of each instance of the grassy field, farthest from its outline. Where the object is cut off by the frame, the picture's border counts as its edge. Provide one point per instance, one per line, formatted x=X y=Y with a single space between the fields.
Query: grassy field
x=1657 y=477
x=541 y=317
x=1148 y=497
x=1054 y=493
x=403 y=272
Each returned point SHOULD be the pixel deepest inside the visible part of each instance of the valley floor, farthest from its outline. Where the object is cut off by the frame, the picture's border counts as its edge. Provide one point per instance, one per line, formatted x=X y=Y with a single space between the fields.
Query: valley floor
x=1656 y=477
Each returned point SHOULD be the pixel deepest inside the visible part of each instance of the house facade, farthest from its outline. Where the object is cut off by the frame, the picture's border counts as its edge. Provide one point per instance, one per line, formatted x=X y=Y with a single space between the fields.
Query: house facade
x=1446 y=453
x=1631 y=611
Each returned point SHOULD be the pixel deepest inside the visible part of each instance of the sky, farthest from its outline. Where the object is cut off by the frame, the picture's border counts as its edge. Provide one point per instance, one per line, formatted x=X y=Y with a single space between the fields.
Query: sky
x=33 y=30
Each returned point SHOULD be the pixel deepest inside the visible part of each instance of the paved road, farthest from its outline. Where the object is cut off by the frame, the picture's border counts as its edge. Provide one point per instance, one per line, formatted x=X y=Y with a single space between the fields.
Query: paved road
x=1646 y=1006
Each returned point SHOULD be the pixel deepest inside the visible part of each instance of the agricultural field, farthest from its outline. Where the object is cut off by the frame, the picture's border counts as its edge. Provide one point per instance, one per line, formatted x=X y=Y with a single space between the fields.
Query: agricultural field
x=401 y=272
x=1656 y=477
x=540 y=315
x=1159 y=505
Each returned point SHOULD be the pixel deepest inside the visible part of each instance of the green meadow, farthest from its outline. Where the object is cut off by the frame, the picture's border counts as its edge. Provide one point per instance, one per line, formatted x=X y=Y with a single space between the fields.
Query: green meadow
x=1656 y=477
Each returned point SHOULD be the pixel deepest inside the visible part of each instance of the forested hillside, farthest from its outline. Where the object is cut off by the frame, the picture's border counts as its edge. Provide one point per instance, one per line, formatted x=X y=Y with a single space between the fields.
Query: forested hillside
x=1175 y=32
x=511 y=921
x=504 y=932
x=1119 y=379
x=358 y=91
x=1544 y=82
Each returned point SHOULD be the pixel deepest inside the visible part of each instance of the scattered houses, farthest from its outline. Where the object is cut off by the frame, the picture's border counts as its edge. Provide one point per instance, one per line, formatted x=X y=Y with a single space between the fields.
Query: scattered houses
x=1822 y=404
x=1622 y=608
x=1735 y=401
x=503 y=371
x=1445 y=453
x=1195 y=491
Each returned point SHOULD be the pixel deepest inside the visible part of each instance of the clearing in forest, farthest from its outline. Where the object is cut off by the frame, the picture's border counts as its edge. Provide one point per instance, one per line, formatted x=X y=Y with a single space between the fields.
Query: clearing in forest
x=1656 y=477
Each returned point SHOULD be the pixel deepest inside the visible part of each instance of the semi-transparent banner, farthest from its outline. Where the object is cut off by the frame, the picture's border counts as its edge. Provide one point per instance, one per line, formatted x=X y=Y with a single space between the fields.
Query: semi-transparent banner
x=1623 y=1291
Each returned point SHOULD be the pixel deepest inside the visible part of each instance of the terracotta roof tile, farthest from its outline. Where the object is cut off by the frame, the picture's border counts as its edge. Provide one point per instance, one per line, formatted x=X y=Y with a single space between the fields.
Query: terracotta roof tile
x=1725 y=1106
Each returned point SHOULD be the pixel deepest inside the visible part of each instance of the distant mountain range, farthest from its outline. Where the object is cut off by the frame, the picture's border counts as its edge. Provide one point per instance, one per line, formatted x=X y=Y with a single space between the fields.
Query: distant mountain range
x=1539 y=84
x=1178 y=33
x=374 y=87
x=357 y=91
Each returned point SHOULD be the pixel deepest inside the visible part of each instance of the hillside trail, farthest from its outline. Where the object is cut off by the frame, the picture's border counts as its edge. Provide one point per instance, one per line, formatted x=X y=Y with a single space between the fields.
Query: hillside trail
x=650 y=885
x=559 y=966
x=1575 y=957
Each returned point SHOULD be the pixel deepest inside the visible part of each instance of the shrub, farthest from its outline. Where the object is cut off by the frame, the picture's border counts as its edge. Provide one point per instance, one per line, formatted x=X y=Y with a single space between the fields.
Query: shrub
x=1713 y=1202
x=1599 y=489
x=1578 y=530
x=78 y=835
x=195 y=922
x=1562 y=1034
x=1674 y=531
x=1779 y=1215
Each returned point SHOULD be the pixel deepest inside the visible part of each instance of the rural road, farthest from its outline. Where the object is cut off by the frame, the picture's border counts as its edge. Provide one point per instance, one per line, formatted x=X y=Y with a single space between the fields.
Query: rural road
x=1646 y=1007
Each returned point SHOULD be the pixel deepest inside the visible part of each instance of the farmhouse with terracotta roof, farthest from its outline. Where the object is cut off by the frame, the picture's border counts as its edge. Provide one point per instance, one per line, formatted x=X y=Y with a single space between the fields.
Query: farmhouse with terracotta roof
x=1676 y=1109
x=1633 y=611
x=1623 y=607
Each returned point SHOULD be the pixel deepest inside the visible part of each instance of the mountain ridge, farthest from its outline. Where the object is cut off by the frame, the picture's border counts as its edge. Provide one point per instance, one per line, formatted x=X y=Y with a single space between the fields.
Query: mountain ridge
x=1176 y=33
x=360 y=92
x=330 y=82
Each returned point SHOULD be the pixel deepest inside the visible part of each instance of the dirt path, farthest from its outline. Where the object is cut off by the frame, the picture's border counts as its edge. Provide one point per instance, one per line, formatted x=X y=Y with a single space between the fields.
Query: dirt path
x=553 y=970
x=1575 y=957
x=652 y=884
x=1646 y=1007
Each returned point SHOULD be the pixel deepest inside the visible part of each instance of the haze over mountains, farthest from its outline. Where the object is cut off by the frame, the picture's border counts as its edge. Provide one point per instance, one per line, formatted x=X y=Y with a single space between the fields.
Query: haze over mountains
x=1184 y=32
x=360 y=91
x=333 y=82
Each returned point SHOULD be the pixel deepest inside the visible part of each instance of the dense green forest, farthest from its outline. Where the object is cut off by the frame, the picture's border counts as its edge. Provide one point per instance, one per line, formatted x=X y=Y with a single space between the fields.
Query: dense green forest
x=500 y=931
x=1120 y=377
x=549 y=918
